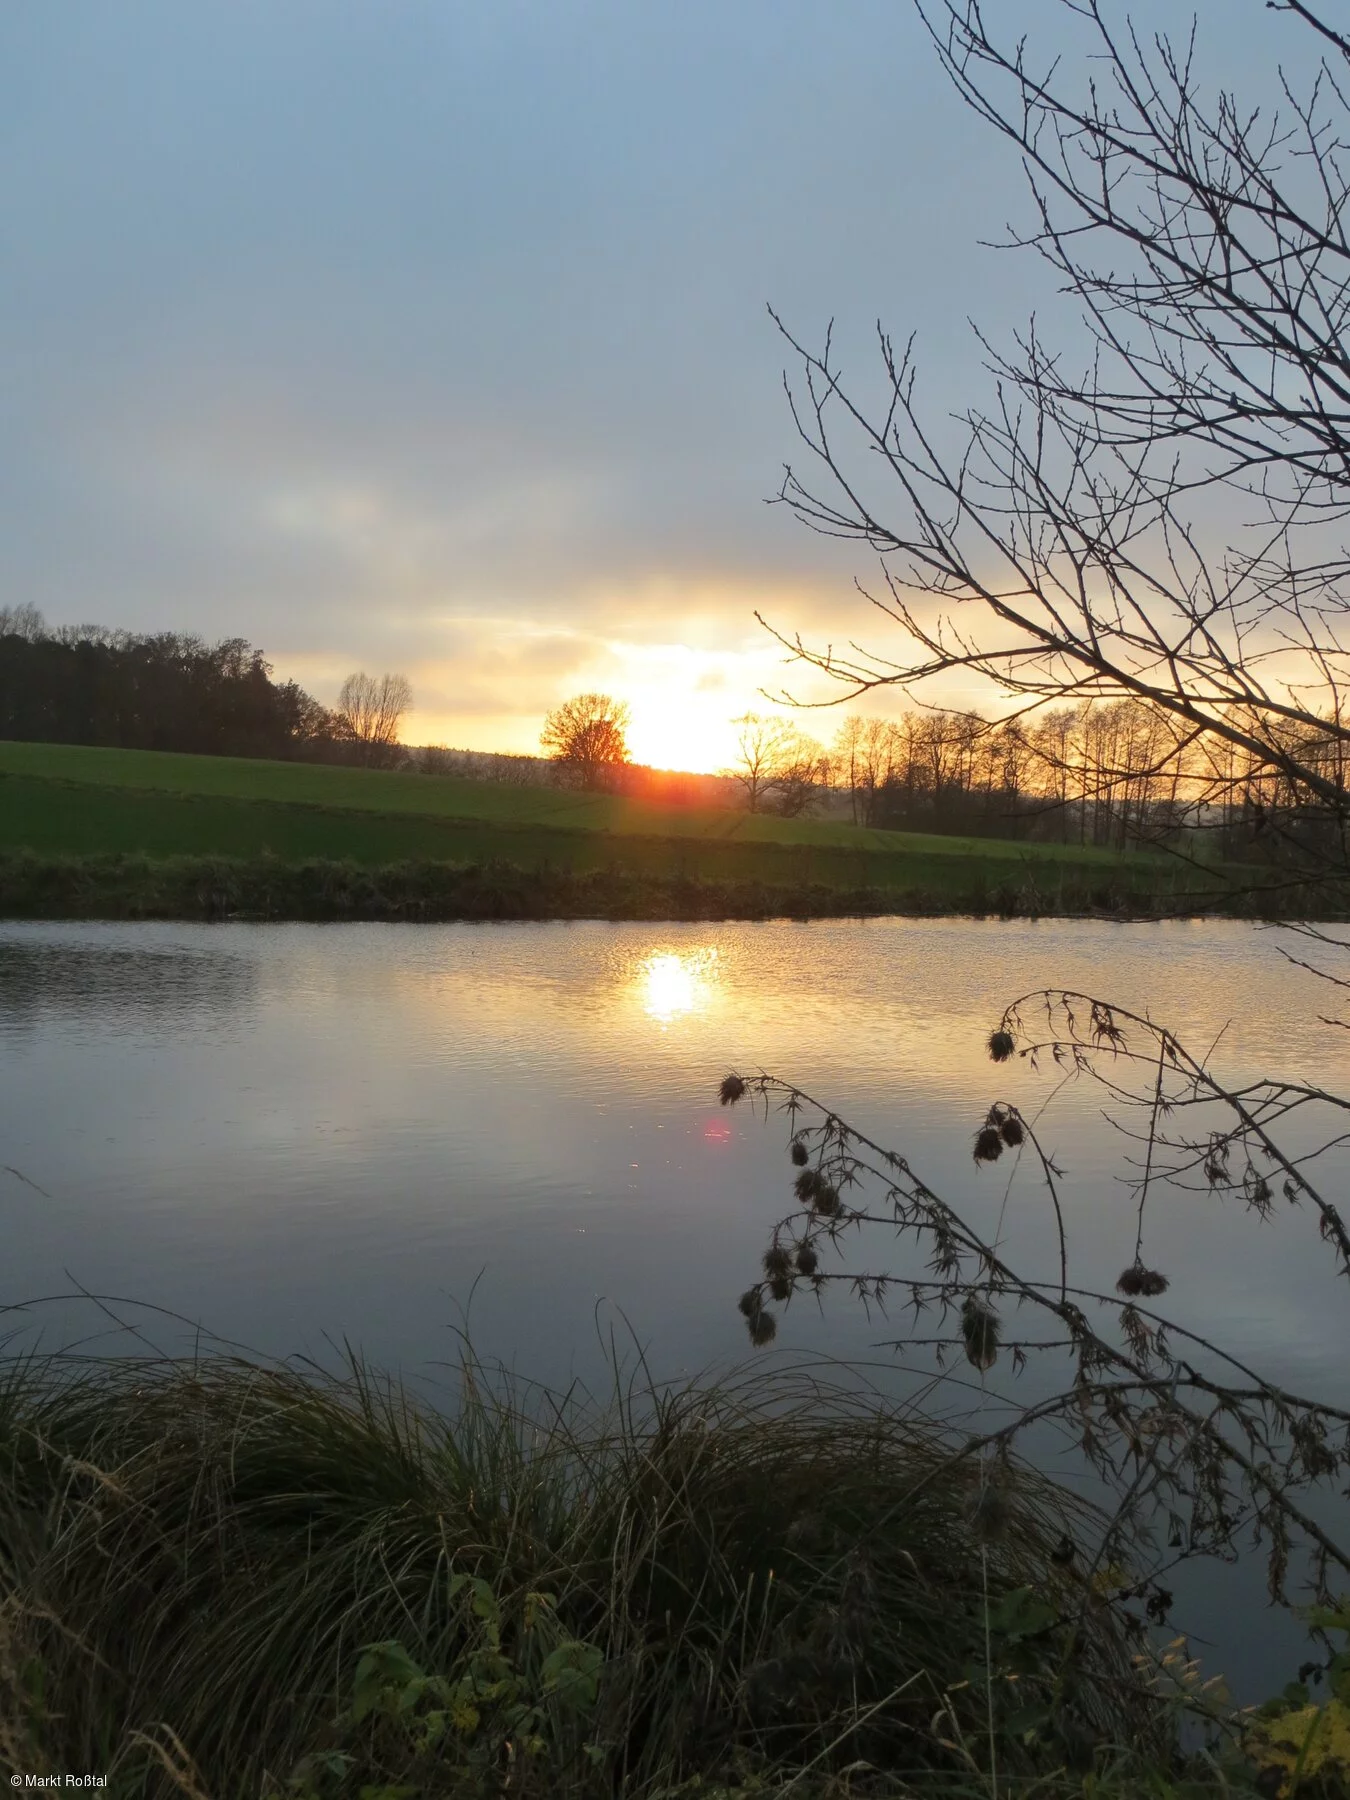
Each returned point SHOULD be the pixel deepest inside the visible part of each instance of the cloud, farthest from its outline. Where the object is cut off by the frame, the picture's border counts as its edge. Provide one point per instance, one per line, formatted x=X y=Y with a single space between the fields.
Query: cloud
x=492 y=679
x=436 y=340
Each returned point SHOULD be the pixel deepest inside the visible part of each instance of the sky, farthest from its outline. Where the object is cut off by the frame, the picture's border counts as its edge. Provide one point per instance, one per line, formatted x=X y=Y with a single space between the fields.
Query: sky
x=432 y=336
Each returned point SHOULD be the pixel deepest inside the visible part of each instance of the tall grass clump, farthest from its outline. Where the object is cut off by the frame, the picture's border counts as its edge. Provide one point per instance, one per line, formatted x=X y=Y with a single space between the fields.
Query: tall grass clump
x=222 y=1578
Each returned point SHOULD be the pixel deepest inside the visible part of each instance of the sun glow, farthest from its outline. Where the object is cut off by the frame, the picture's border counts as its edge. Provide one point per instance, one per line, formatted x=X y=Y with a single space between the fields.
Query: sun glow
x=677 y=733
x=683 y=701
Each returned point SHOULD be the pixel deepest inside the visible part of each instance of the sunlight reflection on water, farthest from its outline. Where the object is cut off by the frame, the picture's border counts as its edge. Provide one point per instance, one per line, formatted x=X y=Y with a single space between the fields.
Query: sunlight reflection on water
x=673 y=983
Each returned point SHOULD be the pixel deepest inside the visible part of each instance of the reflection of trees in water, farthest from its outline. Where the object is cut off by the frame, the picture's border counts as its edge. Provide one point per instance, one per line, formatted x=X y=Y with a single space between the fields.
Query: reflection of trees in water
x=119 y=981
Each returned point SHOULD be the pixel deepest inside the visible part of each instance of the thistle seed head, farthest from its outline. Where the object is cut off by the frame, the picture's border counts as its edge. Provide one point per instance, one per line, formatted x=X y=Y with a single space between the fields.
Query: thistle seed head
x=1138 y=1280
x=751 y=1303
x=807 y=1260
x=1011 y=1132
x=1001 y=1045
x=731 y=1090
x=807 y=1184
x=781 y=1287
x=827 y=1200
x=979 y=1328
x=988 y=1144
x=776 y=1262
x=798 y=1153
x=762 y=1328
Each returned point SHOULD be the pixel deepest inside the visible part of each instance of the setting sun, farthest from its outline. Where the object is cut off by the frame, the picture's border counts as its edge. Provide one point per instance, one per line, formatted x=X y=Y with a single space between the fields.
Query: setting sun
x=683 y=702
x=678 y=732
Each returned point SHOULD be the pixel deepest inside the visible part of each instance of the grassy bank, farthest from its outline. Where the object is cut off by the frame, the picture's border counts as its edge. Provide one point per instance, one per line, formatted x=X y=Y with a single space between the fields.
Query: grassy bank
x=746 y=1589
x=37 y=886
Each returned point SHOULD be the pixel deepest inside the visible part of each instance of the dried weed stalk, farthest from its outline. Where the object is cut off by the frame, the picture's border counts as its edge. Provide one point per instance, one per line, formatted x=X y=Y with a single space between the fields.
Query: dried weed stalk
x=1201 y=1453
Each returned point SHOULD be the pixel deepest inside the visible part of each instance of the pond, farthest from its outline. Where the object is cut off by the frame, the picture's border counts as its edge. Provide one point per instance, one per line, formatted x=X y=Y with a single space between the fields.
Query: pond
x=300 y=1137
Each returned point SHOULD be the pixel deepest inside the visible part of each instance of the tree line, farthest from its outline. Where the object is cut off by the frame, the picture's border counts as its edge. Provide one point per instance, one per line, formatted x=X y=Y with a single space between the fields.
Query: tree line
x=1099 y=773
x=87 y=684
x=1106 y=773
x=1103 y=773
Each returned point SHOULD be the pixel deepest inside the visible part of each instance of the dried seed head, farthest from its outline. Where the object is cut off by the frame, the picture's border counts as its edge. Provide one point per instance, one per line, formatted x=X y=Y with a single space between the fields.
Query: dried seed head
x=807 y=1184
x=807 y=1260
x=1011 y=1132
x=1138 y=1280
x=781 y=1287
x=1159 y=1604
x=1001 y=1045
x=798 y=1153
x=762 y=1328
x=988 y=1144
x=776 y=1261
x=979 y=1328
x=731 y=1090
x=827 y=1200
x=751 y=1303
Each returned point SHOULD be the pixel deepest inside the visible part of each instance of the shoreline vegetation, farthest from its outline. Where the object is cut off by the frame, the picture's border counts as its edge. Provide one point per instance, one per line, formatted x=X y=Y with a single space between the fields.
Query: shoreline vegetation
x=268 y=889
x=224 y=1577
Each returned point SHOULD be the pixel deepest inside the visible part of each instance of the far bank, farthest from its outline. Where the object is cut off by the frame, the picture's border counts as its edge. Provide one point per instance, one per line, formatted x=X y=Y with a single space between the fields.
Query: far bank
x=117 y=886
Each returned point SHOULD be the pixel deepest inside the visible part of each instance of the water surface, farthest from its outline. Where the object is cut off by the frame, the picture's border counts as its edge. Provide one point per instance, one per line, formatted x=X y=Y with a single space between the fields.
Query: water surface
x=300 y=1136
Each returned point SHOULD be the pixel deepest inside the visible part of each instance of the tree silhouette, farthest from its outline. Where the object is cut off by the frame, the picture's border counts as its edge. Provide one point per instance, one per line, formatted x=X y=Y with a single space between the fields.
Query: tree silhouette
x=369 y=712
x=586 y=737
x=777 y=765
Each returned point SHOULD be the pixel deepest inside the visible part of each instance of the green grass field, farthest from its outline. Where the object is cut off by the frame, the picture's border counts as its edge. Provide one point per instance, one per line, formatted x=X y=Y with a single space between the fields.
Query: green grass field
x=446 y=798
x=67 y=801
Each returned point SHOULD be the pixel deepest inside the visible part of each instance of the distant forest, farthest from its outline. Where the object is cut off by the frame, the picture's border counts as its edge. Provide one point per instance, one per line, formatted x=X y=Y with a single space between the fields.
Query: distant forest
x=85 y=684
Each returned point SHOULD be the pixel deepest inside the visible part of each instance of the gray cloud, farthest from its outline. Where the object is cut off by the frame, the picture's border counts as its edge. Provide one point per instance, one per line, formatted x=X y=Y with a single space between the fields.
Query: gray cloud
x=353 y=328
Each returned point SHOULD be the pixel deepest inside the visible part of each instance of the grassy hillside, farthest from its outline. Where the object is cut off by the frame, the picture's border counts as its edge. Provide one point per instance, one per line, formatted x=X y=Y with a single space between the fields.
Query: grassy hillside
x=67 y=802
x=445 y=797
x=439 y=798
